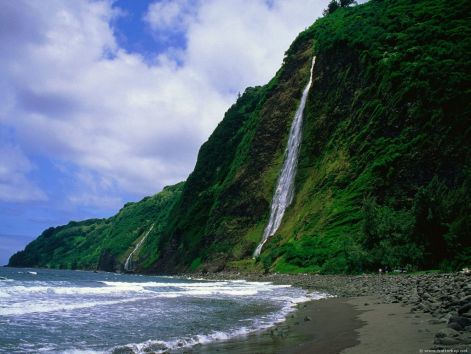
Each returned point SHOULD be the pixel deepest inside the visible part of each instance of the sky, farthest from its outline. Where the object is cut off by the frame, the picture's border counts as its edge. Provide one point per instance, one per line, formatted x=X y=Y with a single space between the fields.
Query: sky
x=104 y=102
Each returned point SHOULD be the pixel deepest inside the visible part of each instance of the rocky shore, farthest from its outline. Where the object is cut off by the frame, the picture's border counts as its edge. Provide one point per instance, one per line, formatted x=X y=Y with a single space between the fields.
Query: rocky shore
x=446 y=297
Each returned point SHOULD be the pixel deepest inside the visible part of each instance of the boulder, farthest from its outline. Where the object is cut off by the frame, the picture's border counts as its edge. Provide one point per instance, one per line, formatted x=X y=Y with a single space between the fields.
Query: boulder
x=447 y=332
x=465 y=339
x=447 y=341
x=462 y=320
x=455 y=325
x=464 y=308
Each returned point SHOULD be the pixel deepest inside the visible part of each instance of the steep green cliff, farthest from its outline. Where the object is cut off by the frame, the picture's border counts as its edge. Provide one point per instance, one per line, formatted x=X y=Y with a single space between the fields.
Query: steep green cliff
x=384 y=170
x=103 y=243
x=384 y=176
x=384 y=173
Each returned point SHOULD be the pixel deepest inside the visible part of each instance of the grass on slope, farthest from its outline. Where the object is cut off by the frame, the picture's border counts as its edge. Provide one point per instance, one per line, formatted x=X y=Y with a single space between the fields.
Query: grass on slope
x=384 y=172
x=102 y=243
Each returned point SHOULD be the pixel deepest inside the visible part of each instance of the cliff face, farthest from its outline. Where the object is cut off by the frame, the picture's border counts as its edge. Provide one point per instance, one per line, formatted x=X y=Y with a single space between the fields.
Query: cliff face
x=102 y=243
x=225 y=201
x=383 y=173
x=384 y=169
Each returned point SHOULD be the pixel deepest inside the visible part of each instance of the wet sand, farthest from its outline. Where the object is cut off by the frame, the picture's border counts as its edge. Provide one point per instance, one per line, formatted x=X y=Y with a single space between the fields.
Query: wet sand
x=323 y=326
x=391 y=328
x=360 y=325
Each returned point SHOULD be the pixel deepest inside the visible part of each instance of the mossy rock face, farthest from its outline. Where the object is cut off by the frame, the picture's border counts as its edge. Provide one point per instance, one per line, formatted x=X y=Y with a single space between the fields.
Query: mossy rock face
x=382 y=121
x=384 y=172
x=228 y=194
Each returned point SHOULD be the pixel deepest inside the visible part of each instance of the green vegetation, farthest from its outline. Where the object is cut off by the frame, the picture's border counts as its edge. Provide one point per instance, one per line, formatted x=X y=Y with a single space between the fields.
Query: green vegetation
x=225 y=202
x=102 y=243
x=384 y=174
x=334 y=5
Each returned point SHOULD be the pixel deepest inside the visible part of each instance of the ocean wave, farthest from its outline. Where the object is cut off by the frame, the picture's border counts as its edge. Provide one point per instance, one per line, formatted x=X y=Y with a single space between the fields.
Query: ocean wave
x=159 y=346
x=82 y=351
x=262 y=305
x=53 y=306
x=154 y=284
x=258 y=325
x=120 y=288
x=68 y=290
x=234 y=288
x=146 y=290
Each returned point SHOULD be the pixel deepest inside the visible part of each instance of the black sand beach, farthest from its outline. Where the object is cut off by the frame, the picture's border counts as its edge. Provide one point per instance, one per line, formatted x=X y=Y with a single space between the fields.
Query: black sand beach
x=324 y=326
x=390 y=314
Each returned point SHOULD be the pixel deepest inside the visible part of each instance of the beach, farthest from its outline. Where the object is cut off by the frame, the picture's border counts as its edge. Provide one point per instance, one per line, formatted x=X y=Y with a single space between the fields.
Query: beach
x=63 y=311
x=324 y=326
x=340 y=325
x=369 y=314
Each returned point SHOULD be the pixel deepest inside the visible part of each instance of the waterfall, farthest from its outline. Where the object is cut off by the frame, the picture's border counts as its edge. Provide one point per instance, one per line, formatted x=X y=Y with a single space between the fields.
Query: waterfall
x=128 y=264
x=284 y=192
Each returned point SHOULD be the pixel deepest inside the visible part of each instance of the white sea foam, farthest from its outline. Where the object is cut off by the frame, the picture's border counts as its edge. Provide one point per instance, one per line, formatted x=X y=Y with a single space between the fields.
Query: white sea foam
x=165 y=285
x=42 y=306
x=81 y=351
x=119 y=289
x=44 y=292
x=21 y=300
x=232 y=288
x=63 y=290
x=258 y=324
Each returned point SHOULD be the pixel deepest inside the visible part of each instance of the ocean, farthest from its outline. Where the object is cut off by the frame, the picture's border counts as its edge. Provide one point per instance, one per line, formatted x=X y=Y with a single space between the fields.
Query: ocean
x=62 y=311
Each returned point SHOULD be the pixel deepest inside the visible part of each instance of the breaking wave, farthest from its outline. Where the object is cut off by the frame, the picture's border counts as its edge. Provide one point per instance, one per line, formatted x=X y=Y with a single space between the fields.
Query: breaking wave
x=116 y=314
x=257 y=325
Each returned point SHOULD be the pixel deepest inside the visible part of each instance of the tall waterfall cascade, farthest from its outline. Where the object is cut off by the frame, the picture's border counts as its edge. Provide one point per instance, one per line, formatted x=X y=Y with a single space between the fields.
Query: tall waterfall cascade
x=128 y=265
x=284 y=191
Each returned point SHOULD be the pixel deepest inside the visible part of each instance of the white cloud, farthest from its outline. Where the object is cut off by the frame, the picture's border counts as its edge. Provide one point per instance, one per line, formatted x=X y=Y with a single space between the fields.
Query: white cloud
x=239 y=43
x=96 y=201
x=72 y=94
x=170 y=15
x=14 y=185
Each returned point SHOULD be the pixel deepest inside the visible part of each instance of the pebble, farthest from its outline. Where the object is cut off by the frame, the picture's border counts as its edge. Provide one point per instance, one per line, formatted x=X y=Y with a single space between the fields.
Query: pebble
x=464 y=308
x=447 y=341
x=447 y=332
x=446 y=296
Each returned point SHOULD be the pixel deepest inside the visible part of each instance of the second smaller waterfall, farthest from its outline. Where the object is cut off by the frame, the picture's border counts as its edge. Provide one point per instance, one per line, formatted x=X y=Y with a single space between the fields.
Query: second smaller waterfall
x=284 y=192
x=128 y=266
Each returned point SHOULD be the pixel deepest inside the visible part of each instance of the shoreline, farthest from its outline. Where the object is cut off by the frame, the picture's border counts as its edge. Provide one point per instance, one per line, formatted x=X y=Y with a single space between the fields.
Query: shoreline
x=389 y=313
x=371 y=314
x=303 y=331
x=337 y=325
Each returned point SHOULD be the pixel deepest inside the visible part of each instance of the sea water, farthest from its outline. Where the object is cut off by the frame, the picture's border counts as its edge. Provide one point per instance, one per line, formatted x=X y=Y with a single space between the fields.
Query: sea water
x=61 y=311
